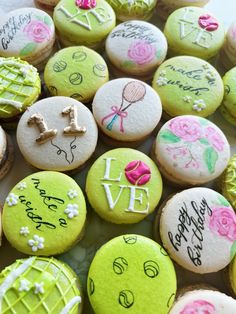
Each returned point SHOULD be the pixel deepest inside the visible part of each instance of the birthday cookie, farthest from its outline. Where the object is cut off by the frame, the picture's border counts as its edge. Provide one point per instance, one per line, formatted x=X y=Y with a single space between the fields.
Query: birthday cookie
x=6 y=155
x=57 y=133
x=42 y=208
x=188 y=85
x=124 y=186
x=195 y=225
x=76 y=72
x=128 y=114
x=128 y=273
x=228 y=51
x=39 y=285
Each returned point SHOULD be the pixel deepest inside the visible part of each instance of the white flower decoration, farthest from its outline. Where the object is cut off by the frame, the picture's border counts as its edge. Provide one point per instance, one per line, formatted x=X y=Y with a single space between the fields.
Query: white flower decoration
x=72 y=194
x=24 y=231
x=187 y=99
x=199 y=105
x=39 y=288
x=24 y=285
x=162 y=81
x=210 y=75
x=71 y=211
x=12 y=199
x=205 y=66
x=21 y=186
x=163 y=73
x=37 y=243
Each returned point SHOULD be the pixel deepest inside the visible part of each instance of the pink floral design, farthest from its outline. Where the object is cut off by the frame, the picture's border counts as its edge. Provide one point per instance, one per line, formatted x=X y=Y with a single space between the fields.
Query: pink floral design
x=141 y=52
x=186 y=128
x=37 y=31
x=223 y=222
x=199 y=307
x=214 y=138
x=86 y=4
x=183 y=154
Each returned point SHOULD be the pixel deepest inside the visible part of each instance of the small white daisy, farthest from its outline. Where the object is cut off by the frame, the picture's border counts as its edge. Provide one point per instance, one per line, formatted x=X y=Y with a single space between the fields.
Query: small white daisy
x=162 y=81
x=21 y=186
x=24 y=231
x=24 y=285
x=163 y=73
x=12 y=199
x=72 y=194
x=39 y=288
x=71 y=211
x=199 y=105
x=187 y=99
x=37 y=243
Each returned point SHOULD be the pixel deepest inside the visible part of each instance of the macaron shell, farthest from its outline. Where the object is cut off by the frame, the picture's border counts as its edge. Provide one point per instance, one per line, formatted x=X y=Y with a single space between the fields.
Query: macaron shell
x=229 y=182
x=232 y=275
x=229 y=101
x=128 y=273
x=228 y=52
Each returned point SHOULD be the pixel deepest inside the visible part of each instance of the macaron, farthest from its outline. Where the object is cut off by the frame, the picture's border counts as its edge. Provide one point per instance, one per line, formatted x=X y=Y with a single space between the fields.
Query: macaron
x=19 y=88
x=57 y=133
x=136 y=48
x=39 y=285
x=6 y=155
x=227 y=108
x=228 y=51
x=130 y=113
x=76 y=72
x=46 y=5
x=188 y=85
x=228 y=182
x=44 y=214
x=190 y=151
x=30 y=35
x=123 y=186
x=195 y=32
x=83 y=22
x=131 y=273
x=204 y=301
x=232 y=276
x=195 y=225
x=133 y=9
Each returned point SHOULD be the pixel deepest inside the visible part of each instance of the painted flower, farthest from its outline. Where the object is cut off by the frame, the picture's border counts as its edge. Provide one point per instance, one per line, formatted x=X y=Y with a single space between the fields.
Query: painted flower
x=184 y=155
x=223 y=222
x=21 y=186
x=24 y=231
x=208 y=22
x=141 y=52
x=12 y=199
x=187 y=99
x=37 y=31
x=39 y=287
x=37 y=243
x=210 y=75
x=187 y=129
x=163 y=73
x=214 y=138
x=199 y=307
x=199 y=105
x=72 y=194
x=71 y=211
x=162 y=81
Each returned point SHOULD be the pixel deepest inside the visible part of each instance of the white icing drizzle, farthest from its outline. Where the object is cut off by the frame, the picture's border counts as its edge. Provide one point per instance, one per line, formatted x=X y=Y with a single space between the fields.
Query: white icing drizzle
x=16 y=104
x=70 y=304
x=7 y=283
x=24 y=67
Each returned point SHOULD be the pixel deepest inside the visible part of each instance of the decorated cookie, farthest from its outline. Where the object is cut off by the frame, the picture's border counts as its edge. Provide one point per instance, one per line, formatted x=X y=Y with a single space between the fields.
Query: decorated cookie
x=84 y=22
x=133 y=9
x=46 y=5
x=228 y=107
x=76 y=72
x=232 y=276
x=124 y=186
x=144 y=47
x=195 y=225
x=27 y=33
x=228 y=51
x=191 y=150
x=204 y=301
x=195 y=32
x=229 y=182
x=188 y=85
x=130 y=113
x=39 y=285
x=6 y=156
x=57 y=133
x=41 y=209
x=128 y=273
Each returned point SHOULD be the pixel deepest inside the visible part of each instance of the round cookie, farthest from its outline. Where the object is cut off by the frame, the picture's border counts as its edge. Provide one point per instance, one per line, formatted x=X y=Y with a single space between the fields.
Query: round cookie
x=191 y=150
x=133 y=9
x=228 y=51
x=195 y=225
x=128 y=273
x=188 y=85
x=39 y=285
x=204 y=301
x=27 y=33
x=232 y=276
x=57 y=133
x=44 y=214
x=195 y=32
x=6 y=156
x=128 y=114
x=123 y=186
x=228 y=182
x=136 y=48
x=76 y=72
x=83 y=22
x=46 y=5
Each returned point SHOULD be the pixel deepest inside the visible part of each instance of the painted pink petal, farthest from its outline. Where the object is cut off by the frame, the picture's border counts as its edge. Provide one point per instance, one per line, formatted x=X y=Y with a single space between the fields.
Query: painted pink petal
x=208 y=22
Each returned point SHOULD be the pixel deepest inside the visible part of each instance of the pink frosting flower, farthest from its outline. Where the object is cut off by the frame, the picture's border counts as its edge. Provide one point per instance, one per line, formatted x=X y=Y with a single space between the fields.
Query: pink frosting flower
x=141 y=52
x=186 y=128
x=199 y=307
x=86 y=4
x=208 y=22
x=37 y=31
x=214 y=138
x=223 y=222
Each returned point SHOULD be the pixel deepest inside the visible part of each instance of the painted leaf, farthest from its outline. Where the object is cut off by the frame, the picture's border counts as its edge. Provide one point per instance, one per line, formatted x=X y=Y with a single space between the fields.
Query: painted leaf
x=203 y=122
x=38 y=17
x=28 y=49
x=168 y=137
x=223 y=201
x=233 y=250
x=204 y=141
x=210 y=157
x=47 y=20
x=128 y=64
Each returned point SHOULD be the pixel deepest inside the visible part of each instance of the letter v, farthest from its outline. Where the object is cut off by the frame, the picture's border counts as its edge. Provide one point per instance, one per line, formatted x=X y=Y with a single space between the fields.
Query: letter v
x=112 y=203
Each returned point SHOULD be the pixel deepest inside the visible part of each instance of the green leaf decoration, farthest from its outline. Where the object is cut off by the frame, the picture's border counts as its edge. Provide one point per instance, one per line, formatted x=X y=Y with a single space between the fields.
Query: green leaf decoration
x=158 y=53
x=128 y=64
x=204 y=141
x=203 y=122
x=28 y=49
x=223 y=201
x=47 y=20
x=168 y=137
x=233 y=250
x=210 y=157
x=38 y=17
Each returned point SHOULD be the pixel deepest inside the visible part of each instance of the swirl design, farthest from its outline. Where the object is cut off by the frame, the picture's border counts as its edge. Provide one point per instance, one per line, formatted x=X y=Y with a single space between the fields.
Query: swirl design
x=130 y=239
x=59 y=66
x=76 y=78
x=126 y=298
x=151 y=269
x=79 y=56
x=120 y=265
x=91 y=286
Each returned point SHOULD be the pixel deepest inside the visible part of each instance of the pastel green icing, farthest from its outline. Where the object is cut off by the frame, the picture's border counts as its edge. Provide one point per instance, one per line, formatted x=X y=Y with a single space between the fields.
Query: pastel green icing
x=229 y=182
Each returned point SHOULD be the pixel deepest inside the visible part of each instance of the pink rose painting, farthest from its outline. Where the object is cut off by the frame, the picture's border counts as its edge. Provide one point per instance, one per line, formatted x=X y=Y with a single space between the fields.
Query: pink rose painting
x=214 y=138
x=199 y=307
x=141 y=52
x=37 y=31
x=186 y=128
